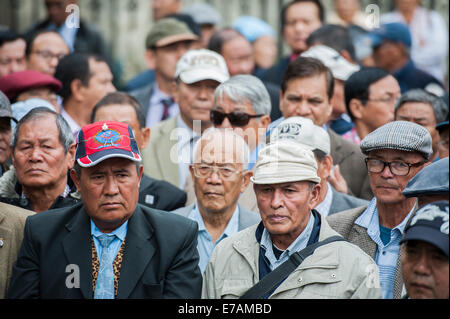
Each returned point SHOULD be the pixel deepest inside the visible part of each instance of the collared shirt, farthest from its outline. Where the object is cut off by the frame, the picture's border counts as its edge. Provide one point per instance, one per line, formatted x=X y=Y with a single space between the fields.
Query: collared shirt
x=386 y=255
x=74 y=127
x=205 y=246
x=298 y=244
x=186 y=139
x=156 y=108
x=324 y=207
x=254 y=156
x=120 y=233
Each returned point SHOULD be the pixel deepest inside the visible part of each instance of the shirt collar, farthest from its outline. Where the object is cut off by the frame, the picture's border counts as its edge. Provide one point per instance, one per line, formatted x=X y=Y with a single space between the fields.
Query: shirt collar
x=158 y=95
x=324 y=207
x=120 y=232
x=232 y=226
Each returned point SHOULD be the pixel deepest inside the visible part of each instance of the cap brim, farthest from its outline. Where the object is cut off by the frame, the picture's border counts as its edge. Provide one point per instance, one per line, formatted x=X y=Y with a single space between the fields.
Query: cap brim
x=176 y=38
x=426 y=234
x=197 y=75
x=94 y=159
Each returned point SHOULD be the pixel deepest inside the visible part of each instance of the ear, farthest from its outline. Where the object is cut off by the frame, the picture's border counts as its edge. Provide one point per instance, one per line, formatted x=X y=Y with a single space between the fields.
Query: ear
x=76 y=89
x=346 y=56
x=141 y=172
x=264 y=121
x=326 y=165
x=70 y=156
x=246 y=181
x=356 y=108
x=74 y=177
x=315 y=196
x=145 y=136
x=150 y=59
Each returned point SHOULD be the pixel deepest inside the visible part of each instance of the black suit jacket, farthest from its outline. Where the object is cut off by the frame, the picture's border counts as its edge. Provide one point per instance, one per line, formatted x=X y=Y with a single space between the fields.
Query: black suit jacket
x=160 y=258
x=160 y=194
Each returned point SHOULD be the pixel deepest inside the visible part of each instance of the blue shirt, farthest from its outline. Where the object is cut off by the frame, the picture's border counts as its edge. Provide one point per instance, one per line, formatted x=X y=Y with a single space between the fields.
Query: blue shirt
x=205 y=246
x=386 y=255
x=120 y=232
x=298 y=244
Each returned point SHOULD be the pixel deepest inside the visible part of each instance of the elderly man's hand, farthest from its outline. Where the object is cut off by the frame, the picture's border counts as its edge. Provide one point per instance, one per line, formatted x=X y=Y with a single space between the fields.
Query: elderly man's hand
x=337 y=180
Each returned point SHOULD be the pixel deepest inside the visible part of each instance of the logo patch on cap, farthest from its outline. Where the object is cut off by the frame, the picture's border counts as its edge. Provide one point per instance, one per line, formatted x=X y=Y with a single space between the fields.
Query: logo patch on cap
x=430 y=213
x=289 y=130
x=107 y=137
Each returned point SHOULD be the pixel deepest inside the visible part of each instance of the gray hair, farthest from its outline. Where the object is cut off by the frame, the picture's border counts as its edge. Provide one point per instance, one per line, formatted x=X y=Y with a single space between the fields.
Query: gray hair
x=65 y=133
x=248 y=88
x=212 y=132
x=440 y=108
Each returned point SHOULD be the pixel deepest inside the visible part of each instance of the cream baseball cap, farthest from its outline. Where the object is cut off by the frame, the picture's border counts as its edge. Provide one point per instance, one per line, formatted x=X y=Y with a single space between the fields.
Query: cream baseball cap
x=302 y=130
x=285 y=161
x=199 y=65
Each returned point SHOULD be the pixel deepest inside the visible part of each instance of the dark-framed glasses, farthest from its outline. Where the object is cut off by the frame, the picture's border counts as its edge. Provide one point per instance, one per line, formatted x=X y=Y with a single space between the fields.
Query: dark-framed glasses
x=236 y=118
x=398 y=168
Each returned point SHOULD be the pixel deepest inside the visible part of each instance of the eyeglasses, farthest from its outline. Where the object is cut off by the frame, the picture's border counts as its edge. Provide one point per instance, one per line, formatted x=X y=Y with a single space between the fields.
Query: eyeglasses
x=236 y=118
x=398 y=168
x=390 y=99
x=47 y=55
x=204 y=171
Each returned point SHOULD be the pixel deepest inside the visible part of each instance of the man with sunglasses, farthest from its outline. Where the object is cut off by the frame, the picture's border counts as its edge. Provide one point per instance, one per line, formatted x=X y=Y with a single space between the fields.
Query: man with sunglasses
x=219 y=176
x=396 y=152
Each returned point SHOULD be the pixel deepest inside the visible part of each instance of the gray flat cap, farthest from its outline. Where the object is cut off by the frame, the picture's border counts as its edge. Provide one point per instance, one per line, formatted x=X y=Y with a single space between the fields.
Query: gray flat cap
x=5 y=107
x=399 y=135
x=203 y=13
x=430 y=180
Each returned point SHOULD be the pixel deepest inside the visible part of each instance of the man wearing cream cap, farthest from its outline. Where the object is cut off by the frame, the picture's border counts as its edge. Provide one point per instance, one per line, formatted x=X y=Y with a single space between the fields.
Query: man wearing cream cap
x=287 y=188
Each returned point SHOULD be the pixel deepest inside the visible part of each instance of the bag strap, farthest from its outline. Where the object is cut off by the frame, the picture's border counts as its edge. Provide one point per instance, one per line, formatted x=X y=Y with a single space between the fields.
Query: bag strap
x=272 y=280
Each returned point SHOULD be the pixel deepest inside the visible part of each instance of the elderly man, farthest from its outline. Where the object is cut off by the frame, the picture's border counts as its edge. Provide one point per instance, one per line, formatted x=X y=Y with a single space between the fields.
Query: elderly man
x=108 y=246
x=220 y=176
x=370 y=96
x=287 y=189
x=42 y=154
x=169 y=152
x=44 y=51
x=168 y=40
x=430 y=184
x=86 y=78
x=122 y=107
x=425 y=253
x=307 y=90
x=12 y=53
x=12 y=222
x=395 y=153
x=315 y=138
x=5 y=133
x=419 y=106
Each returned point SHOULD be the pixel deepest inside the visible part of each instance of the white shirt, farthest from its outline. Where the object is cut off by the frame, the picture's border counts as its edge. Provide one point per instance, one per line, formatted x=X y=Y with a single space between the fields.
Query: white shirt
x=429 y=34
x=324 y=207
x=156 y=108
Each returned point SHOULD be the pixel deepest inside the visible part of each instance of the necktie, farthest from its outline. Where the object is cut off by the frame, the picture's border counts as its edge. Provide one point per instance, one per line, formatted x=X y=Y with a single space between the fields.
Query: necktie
x=167 y=103
x=104 y=288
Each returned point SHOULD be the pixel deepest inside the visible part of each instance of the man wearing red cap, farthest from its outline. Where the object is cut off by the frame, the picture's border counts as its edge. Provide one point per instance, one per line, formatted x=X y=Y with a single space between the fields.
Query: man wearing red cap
x=108 y=246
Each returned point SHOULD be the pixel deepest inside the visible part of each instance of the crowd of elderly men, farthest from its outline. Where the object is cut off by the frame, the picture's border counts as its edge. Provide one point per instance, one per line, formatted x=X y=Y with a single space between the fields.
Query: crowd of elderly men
x=209 y=182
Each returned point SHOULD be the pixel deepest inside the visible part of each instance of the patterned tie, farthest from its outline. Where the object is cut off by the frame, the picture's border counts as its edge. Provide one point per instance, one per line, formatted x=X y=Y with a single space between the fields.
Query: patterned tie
x=167 y=103
x=104 y=288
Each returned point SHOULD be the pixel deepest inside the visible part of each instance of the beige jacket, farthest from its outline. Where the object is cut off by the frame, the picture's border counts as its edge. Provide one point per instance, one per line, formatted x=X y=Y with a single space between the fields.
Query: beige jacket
x=335 y=270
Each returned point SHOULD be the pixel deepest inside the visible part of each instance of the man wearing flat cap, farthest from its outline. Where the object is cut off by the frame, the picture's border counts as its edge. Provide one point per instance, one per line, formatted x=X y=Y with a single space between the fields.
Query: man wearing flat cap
x=5 y=132
x=287 y=188
x=395 y=153
x=425 y=253
x=108 y=246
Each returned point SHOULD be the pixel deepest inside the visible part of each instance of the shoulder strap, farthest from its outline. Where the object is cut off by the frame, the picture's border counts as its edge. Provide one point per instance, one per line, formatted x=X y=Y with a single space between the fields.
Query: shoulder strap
x=272 y=280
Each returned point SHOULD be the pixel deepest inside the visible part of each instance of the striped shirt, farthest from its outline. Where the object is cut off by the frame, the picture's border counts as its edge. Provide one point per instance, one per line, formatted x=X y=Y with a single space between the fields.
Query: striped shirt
x=386 y=255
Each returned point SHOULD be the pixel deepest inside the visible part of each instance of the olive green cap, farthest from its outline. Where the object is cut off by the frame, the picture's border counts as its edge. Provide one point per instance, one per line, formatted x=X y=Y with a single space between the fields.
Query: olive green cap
x=167 y=31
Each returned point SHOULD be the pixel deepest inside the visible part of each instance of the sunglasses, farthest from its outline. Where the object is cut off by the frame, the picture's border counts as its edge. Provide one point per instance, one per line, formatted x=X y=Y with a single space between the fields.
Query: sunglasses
x=236 y=118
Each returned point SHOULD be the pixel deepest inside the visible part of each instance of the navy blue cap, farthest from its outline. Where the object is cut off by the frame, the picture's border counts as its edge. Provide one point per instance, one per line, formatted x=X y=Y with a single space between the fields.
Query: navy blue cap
x=442 y=126
x=429 y=224
x=430 y=180
x=395 y=32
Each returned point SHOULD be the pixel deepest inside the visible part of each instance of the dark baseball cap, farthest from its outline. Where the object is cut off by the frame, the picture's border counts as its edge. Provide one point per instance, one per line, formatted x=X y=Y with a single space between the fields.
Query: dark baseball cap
x=394 y=32
x=5 y=107
x=106 y=139
x=429 y=224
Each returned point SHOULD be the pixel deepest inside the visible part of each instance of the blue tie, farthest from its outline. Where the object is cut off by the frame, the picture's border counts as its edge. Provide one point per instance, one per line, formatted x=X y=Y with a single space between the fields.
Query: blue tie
x=104 y=288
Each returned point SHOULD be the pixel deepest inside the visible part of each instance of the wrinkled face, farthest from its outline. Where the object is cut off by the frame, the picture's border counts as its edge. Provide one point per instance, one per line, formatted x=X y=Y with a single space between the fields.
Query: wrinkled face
x=379 y=109
x=285 y=207
x=301 y=20
x=110 y=191
x=47 y=50
x=425 y=270
x=422 y=114
x=12 y=57
x=99 y=84
x=387 y=187
x=195 y=100
x=39 y=157
x=5 y=139
x=238 y=55
x=217 y=193
x=161 y=8
x=307 y=97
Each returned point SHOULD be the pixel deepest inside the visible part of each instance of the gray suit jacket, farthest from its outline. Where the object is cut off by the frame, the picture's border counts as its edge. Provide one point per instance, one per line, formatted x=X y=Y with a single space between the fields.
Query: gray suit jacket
x=143 y=95
x=246 y=218
x=343 y=202
x=344 y=224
